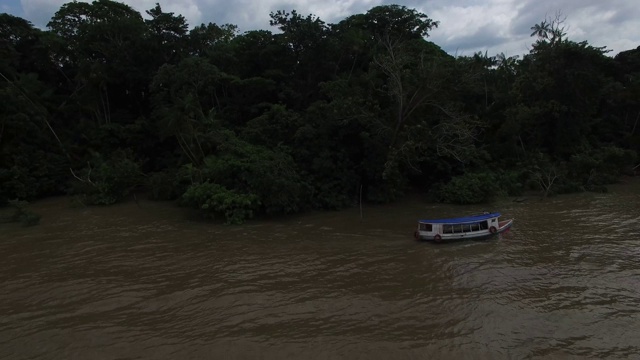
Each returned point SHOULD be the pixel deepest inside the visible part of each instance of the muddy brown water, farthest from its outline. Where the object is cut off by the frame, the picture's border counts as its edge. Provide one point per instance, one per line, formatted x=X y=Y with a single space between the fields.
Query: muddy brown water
x=148 y=282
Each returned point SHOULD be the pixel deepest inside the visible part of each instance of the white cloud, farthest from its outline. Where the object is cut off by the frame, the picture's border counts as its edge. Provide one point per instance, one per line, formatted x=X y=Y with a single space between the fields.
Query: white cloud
x=190 y=9
x=41 y=11
x=466 y=26
x=488 y=23
x=254 y=15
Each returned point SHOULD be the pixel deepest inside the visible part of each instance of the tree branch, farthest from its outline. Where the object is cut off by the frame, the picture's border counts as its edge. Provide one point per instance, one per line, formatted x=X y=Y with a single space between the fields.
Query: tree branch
x=88 y=179
x=43 y=109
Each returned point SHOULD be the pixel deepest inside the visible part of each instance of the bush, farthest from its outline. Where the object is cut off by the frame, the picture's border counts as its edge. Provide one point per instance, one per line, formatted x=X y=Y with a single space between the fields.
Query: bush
x=388 y=187
x=270 y=175
x=511 y=182
x=107 y=181
x=31 y=175
x=14 y=184
x=23 y=215
x=215 y=200
x=470 y=188
x=165 y=185
x=600 y=167
x=331 y=184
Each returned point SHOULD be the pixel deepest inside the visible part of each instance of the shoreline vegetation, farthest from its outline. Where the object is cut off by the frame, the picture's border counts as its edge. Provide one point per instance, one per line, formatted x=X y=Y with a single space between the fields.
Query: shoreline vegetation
x=104 y=104
x=27 y=214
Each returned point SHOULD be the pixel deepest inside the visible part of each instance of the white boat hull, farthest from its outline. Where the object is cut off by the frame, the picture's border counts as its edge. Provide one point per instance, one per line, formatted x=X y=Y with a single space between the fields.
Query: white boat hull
x=437 y=235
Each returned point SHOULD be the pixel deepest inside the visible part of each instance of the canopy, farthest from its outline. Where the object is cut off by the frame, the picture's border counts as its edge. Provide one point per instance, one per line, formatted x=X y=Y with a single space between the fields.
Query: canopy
x=463 y=220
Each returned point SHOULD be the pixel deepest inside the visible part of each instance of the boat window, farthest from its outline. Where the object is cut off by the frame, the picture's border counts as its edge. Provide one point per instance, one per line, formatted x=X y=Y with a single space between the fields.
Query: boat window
x=447 y=229
x=426 y=227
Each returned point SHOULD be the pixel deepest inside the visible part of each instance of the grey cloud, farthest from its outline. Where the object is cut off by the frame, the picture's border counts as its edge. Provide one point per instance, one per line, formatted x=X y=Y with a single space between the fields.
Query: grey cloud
x=244 y=13
x=440 y=4
x=232 y=12
x=586 y=17
x=287 y=6
x=629 y=12
x=484 y=38
x=40 y=14
x=513 y=38
x=533 y=11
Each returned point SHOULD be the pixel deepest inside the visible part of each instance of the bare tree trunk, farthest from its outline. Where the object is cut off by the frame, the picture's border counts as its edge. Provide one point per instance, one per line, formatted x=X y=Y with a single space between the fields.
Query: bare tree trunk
x=44 y=111
x=522 y=144
x=486 y=94
x=546 y=181
x=105 y=105
x=106 y=95
x=88 y=179
x=635 y=124
x=360 y=202
x=407 y=101
x=187 y=150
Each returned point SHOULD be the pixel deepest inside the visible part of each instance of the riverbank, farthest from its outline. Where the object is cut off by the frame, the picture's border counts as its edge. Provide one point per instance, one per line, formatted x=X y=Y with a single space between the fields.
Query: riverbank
x=139 y=206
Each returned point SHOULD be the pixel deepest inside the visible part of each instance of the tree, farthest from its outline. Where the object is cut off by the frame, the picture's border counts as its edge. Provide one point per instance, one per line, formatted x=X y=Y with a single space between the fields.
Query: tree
x=559 y=90
x=310 y=57
x=168 y=33
x=397 y=22
x=204 y=38
x=185 y=98
x=310 y=115
x=103 y=54
x=623 y=110
x=550 y=31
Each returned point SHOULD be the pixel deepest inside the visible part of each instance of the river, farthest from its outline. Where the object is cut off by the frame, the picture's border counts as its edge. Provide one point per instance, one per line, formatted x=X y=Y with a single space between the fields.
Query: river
x=146 y=281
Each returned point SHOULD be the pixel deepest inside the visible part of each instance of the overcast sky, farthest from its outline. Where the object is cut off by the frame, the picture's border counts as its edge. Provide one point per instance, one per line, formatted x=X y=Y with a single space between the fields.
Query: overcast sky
x=466 y=26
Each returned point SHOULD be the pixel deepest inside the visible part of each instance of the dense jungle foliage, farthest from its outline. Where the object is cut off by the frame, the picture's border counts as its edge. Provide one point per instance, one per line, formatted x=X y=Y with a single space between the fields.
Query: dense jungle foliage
x=106 y=102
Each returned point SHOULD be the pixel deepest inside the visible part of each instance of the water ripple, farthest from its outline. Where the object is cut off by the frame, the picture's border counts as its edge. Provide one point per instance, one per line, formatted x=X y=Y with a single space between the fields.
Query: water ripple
x=132 y=283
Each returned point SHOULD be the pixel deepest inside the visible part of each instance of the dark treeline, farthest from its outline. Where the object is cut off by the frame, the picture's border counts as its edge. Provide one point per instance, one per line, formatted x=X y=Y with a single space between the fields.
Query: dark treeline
x=309 y=116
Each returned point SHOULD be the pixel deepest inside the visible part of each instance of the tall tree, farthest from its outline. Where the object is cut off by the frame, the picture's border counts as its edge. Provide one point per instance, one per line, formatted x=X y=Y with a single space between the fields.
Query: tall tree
x=168 y=33
x=559 y=91
x=104 y=55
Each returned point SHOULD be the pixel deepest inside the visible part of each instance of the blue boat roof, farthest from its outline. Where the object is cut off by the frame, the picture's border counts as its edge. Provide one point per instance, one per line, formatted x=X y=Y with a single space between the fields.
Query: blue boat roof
x=463 y=220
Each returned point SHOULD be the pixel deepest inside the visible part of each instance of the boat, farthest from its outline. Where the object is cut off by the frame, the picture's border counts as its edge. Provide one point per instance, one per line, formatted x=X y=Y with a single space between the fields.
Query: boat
x=476 y=227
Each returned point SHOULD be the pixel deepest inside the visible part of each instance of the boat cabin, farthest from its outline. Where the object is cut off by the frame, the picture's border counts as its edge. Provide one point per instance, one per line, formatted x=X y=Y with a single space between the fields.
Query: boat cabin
x=481 y=225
